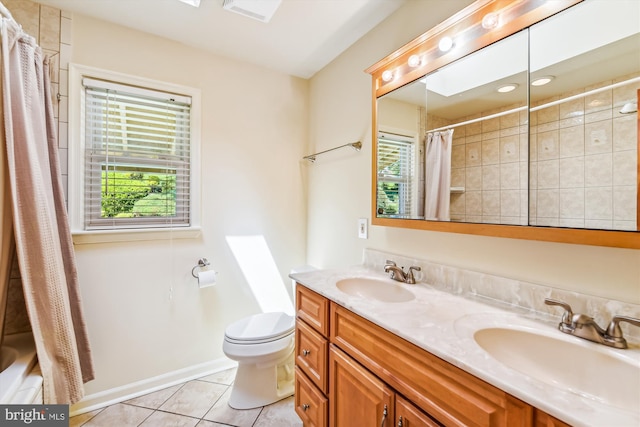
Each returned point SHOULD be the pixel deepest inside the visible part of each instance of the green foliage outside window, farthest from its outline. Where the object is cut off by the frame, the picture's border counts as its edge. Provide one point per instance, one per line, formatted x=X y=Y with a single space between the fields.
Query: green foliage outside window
x=138 y=194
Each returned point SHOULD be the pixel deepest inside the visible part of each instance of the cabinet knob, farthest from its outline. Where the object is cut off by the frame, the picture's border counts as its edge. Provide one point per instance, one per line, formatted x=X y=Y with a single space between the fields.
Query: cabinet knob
x=400 y=424
x=306 y=352
x=305 y=406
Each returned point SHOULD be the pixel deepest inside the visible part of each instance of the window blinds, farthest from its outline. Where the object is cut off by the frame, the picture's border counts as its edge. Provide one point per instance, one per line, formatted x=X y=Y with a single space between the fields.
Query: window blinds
x=137 y=157
x=395 y=175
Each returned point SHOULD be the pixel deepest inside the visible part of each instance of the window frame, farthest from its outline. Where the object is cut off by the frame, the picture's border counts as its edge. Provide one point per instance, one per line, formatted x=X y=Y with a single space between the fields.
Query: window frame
x=77 y=178
x=410 y=178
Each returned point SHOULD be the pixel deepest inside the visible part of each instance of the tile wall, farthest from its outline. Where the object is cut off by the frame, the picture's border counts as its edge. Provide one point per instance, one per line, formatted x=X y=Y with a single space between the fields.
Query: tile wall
x=585 y=161
x=583 y=170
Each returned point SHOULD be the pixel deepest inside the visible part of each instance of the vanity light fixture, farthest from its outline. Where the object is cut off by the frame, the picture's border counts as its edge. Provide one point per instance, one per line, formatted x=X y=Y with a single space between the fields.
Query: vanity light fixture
x=490 y=21
x=387 y=76
x=541 y=81
x=414 y=61
x=507 y=88
x=445 y=44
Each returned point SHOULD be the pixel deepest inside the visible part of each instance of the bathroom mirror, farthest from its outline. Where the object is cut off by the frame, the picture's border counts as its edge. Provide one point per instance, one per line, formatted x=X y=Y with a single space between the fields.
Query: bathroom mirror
x=475 y=128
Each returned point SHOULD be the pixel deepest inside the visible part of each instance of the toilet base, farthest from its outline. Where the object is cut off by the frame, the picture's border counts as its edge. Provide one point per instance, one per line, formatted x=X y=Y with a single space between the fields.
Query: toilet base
x=256 y=386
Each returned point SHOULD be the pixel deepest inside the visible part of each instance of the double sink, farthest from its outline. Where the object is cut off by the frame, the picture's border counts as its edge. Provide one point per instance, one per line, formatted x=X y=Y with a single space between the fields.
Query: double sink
x=537 y=350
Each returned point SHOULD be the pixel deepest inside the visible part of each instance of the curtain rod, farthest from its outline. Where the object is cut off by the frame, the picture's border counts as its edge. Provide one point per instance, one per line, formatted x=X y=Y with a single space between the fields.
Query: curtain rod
x=355 y=145
x=539 y=107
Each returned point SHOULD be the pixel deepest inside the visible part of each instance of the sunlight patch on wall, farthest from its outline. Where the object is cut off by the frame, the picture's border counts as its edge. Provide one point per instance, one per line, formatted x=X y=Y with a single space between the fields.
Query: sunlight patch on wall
x=260 y=271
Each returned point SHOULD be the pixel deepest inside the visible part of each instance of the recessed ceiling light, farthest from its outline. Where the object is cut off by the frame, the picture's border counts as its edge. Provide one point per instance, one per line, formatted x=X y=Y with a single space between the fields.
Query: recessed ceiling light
x=507 y=88
x=541 y=81
x=194 y=3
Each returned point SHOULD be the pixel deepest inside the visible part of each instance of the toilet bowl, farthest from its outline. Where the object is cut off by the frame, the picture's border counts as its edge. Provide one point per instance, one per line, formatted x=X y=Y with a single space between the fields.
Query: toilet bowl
x=263 y=346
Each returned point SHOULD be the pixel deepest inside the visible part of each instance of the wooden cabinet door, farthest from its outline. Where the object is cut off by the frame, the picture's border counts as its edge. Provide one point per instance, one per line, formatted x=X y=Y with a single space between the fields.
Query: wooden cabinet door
x=410 y=416
x=356 y=396
x=311 y=405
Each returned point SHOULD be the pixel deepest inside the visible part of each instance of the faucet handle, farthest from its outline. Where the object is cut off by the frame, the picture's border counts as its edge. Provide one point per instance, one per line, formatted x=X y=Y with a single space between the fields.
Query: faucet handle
x=614 y=332
x=566 y=323
x=389 y=262
x=410 y=278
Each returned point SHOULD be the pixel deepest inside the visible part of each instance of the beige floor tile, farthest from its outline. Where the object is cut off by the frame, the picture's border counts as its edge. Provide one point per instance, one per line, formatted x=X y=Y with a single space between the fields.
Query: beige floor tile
x=223 y=413
x=224 y=377
x=205 y=423
x=156 y=399
x=79 y=420
x=194 y=398
x=120 y=415
x=165 y=419
x=280 y=414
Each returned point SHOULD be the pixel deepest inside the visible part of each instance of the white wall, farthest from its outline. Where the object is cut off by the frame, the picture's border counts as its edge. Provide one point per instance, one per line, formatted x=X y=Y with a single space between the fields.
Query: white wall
x=145 y=313
x=339 y=186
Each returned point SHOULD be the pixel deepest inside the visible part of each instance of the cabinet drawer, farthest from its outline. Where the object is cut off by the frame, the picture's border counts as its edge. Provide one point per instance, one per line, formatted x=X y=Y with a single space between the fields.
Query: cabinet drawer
x=410 y=416
x=311 y=405
x=543 y=419
x=311 y=354
x=313 y=308
x=450 y=395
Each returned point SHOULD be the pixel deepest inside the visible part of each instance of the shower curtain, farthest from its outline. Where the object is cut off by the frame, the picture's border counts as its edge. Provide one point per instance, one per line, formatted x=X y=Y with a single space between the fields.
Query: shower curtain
x=438 y=175
x=40 y=227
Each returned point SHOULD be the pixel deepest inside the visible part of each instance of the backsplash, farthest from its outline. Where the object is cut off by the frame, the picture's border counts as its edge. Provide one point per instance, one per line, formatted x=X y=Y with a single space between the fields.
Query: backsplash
x=517 y=293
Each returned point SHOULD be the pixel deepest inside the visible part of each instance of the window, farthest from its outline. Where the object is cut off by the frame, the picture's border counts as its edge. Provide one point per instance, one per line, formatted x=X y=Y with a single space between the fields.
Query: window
x=133 y=154
x=396 y=154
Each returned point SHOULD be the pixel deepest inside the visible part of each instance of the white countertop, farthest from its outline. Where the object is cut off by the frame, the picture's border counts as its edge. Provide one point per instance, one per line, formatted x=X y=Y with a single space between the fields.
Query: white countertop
x=443 y=324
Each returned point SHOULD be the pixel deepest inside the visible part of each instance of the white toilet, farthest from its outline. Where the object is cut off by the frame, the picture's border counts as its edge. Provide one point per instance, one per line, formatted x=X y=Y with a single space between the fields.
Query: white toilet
x=263 y=345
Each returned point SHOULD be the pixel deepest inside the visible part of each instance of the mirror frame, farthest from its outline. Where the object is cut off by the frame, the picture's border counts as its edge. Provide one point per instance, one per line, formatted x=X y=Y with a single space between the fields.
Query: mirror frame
x=467 y=24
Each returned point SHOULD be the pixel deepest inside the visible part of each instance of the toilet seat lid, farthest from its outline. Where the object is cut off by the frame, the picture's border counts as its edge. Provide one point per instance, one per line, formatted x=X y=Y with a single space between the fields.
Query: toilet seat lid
x=262 y=326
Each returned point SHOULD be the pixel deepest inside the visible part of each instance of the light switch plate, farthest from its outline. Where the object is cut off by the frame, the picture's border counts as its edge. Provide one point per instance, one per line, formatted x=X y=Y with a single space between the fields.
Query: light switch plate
x=362 y=228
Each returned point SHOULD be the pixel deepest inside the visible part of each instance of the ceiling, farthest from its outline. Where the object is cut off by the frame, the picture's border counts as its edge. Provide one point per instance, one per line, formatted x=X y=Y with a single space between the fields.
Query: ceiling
x=301 y=38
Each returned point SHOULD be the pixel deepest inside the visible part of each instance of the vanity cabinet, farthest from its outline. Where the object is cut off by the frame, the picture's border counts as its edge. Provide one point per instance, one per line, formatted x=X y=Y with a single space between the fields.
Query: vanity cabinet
x=311 y=357
x=358 y=373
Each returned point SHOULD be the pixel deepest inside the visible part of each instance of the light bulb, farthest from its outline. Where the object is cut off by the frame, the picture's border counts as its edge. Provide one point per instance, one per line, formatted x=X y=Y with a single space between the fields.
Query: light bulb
x=445 y=44
x=414 y=61
x=541 y=81
x=387 y=76
x=490 y=21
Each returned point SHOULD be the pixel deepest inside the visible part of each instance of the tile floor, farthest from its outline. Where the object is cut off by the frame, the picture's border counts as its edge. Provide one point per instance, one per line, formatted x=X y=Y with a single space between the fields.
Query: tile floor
x=201 y=403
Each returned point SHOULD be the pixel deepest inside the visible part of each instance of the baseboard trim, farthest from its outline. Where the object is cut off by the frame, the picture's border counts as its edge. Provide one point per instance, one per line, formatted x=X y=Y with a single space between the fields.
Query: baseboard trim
x=129 y=391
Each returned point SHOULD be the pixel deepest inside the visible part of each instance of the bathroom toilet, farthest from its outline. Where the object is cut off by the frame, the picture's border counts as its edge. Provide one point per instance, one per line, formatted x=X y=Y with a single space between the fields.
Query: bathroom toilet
x=263 y=346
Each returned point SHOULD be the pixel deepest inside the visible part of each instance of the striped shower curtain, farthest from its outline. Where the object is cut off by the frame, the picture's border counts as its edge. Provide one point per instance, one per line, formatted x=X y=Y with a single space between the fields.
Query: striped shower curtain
x=40 y=226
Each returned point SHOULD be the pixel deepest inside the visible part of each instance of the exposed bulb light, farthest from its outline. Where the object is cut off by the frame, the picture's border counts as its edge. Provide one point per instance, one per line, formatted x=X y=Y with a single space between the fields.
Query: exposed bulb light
x=194 y=3
x=490 y=21
x=414 y=61
x=387 y=76
x=507 y=88
x=445 y=44
x=541 y=81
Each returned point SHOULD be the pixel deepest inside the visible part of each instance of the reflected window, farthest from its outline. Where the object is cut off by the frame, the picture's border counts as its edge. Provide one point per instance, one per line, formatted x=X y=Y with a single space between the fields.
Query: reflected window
x=396 y=176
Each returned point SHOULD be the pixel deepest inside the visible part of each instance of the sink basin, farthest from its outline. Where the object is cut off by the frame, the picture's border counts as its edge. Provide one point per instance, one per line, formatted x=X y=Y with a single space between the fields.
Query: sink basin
x=603 y=374
x=380 y=290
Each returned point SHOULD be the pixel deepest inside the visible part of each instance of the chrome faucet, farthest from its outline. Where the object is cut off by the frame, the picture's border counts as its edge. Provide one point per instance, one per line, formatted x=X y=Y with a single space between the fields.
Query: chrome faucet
x=585 y=327
x=398 y=274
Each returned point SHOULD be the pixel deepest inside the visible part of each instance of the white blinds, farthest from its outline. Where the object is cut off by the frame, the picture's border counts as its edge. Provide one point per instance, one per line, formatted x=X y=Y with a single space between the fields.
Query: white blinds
x=137 y=157
x=395 y=175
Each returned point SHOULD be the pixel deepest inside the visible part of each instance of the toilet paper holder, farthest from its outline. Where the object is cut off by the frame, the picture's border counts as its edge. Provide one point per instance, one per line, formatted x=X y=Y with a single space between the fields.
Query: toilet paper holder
x=202 y=263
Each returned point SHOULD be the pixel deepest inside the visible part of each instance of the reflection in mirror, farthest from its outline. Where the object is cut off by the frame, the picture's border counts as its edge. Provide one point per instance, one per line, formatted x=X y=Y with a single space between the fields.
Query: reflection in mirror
x=584 y=121
x=457 y=145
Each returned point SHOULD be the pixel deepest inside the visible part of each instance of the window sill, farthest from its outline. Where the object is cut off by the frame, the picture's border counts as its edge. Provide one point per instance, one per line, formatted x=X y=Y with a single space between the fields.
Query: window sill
x=81 y=237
